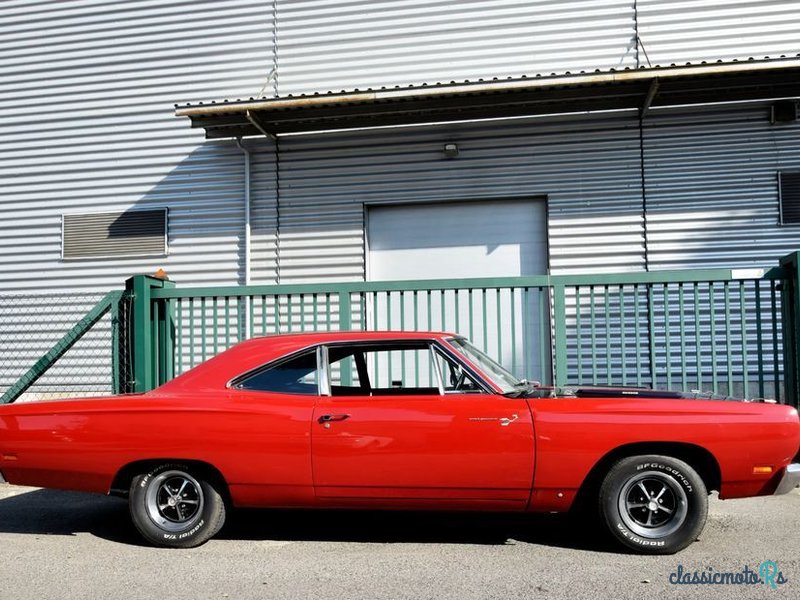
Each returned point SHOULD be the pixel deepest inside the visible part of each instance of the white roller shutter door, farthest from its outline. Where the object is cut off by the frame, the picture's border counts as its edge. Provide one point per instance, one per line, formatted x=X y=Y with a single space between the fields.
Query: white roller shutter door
x=500 y=238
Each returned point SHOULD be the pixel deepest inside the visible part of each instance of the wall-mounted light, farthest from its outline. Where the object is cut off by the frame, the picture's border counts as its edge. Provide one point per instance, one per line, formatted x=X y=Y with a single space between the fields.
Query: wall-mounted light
x=451 y=150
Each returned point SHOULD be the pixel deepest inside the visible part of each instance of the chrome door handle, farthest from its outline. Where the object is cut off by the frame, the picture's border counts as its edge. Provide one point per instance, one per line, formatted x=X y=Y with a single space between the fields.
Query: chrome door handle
x=331 y=418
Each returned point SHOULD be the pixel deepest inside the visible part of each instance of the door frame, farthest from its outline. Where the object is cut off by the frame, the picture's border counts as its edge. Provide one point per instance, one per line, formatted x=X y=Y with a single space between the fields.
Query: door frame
x=324 y=365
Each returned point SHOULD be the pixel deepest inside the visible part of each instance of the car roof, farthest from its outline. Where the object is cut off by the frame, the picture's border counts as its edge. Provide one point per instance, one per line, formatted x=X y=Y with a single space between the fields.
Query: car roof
x=216 y=372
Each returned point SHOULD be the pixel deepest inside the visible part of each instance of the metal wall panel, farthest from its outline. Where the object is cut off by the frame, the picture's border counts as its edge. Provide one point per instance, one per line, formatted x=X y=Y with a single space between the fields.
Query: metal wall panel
x=345 y=44
x=711 y=180
x=86 y=107
x=342 y=44
x=104 y=75
x=586 y=166
x=679 y=31
x=712 y=187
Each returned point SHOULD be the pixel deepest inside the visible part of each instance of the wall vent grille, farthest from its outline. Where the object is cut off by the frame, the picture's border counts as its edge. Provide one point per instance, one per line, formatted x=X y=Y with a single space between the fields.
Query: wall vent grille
x=789 y=182
x=110 y=234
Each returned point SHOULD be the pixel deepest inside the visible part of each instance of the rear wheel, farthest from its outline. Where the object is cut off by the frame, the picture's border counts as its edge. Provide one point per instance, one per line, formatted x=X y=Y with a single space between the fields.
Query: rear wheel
x=653 y=504
x=174 y=507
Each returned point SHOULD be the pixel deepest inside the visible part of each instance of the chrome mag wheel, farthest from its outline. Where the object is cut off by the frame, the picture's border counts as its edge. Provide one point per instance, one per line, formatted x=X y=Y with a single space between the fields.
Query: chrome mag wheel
x=174 y=501
x=653 y=504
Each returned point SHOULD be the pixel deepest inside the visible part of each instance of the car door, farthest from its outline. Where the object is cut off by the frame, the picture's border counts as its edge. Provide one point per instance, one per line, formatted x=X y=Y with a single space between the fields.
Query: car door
x=267 y=431
x=394 y=439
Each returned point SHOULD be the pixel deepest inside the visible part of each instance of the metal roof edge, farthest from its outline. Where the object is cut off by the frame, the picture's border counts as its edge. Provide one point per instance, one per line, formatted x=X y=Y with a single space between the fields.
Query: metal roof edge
x=482 y=87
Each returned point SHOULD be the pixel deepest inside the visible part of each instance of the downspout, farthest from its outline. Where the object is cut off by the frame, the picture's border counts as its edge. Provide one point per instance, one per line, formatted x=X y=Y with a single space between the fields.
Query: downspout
x=246 y=154
x=244 y=304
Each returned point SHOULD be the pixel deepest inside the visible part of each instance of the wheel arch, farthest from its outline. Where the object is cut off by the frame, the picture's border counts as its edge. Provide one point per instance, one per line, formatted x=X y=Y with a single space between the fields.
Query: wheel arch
x=697 y=457
x=121 y=483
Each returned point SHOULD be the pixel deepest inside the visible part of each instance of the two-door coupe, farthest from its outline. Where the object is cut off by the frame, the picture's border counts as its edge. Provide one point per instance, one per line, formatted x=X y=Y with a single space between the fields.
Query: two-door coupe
x=396 y=420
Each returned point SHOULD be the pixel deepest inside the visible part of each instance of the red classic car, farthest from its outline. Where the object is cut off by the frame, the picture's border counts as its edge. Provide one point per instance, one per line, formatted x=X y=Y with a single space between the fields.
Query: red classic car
x=398 y=420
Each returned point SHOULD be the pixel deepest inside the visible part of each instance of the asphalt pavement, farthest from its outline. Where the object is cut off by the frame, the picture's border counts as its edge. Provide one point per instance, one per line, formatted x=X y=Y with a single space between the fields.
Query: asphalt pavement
x=65 y=545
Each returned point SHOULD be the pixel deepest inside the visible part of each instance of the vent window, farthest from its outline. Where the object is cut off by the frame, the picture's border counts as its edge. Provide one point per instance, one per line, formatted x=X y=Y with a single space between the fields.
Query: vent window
x=109 y=234
x=789 y=192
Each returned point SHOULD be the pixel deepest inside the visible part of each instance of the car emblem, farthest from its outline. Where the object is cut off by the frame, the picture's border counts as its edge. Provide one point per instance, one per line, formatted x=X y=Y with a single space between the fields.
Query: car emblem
x=504 y=421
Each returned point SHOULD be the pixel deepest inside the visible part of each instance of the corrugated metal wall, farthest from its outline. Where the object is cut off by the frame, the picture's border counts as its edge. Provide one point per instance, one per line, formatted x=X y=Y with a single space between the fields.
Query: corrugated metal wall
x=86 y=124
x=710 y=174
x=340 y=44
x=587 y=167
x=712 y=187
x=103 y=77
x=679 y=31
x=86 y=102
x=343 y=44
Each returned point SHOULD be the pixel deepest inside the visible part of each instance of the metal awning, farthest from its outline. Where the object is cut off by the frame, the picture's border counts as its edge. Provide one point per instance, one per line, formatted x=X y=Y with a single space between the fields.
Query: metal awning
x=640 y=89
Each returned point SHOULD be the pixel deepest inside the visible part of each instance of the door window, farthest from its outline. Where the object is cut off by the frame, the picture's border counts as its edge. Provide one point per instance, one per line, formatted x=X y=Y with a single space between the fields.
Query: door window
x=402 y=369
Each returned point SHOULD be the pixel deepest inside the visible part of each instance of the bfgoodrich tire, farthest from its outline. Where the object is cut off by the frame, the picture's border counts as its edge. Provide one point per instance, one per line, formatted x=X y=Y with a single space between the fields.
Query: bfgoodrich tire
x=653 y=504
x=174 y=507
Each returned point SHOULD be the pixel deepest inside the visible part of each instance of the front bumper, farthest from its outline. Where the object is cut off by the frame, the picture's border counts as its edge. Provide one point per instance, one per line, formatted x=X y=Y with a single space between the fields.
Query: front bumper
x=790 y=479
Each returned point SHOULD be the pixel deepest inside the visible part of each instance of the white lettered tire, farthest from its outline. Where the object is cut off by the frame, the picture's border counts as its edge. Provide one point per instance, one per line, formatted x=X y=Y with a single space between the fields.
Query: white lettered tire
x=653 y=504
x=174 y=507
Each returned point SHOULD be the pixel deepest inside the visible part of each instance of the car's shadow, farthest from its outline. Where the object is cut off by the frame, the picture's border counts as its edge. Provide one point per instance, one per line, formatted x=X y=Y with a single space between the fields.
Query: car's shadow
x=50 y=512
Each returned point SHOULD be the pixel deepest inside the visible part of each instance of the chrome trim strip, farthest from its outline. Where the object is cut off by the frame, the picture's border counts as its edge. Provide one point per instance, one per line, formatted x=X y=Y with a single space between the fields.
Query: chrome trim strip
x=459 y=358
x=437 y=368
x=790 y=479
x=323 y=372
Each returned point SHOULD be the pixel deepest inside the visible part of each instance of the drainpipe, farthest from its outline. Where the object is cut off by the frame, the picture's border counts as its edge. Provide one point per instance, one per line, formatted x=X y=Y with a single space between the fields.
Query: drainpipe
x=246 y=153
x=244 y=324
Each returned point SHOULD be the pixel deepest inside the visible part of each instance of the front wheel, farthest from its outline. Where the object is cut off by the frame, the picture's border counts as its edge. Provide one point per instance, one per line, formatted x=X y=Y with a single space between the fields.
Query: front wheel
x=174 y=507
x=653 y=504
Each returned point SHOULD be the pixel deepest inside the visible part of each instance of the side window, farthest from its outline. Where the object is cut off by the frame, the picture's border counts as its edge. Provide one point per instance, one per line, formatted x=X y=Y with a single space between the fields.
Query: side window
x=454 y=378
x=344 y=369
x=403 y=369
x=297 y=375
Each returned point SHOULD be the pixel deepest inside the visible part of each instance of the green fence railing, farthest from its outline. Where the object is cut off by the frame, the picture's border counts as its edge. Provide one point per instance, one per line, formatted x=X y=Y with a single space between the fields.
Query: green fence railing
x=716 y=331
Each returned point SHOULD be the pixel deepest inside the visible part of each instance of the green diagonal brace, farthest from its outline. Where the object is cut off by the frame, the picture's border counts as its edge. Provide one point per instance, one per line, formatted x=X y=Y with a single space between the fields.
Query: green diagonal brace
x=57 y=351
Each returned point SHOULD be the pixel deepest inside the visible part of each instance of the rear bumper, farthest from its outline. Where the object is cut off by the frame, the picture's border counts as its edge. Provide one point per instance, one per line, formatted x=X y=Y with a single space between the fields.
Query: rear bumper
x=790 y=479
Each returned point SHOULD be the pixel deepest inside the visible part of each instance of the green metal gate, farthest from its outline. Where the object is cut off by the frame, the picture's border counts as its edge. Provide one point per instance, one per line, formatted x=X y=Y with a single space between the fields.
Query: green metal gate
x=718 y=331
x=714 y=331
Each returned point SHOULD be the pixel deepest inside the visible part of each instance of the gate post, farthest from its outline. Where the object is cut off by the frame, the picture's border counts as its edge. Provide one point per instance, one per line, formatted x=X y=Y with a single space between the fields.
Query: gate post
x=346 y=324
x=790 y=322
x=560 y=378
x=151 y=333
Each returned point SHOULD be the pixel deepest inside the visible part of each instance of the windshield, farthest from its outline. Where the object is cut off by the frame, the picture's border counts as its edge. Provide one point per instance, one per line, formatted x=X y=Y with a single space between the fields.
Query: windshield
x=499 y=376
